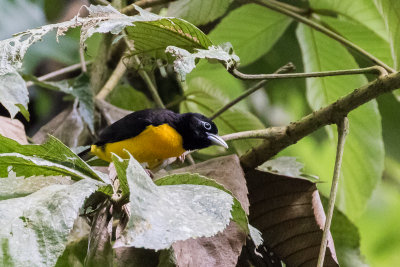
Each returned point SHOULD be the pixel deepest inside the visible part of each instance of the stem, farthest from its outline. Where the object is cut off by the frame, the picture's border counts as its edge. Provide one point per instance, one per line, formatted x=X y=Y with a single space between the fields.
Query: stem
x=58 y=72
x=146 y=77
x=287 y=135
x=343 y=129
x=82 y=59
x=112 y=80
x=285 y=68
x=144 y=4
x=374 y=70
x=318 y=27
x=254 y=134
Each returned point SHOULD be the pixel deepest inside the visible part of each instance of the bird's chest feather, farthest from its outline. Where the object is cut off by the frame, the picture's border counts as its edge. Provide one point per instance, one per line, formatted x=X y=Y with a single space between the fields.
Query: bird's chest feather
x=155 y=142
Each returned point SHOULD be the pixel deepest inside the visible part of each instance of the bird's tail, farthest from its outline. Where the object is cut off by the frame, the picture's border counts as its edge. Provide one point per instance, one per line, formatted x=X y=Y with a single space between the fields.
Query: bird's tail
x=85 y=154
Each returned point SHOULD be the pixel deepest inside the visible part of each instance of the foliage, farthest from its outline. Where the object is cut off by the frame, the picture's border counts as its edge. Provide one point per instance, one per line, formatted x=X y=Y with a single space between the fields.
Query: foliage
x=172 y=48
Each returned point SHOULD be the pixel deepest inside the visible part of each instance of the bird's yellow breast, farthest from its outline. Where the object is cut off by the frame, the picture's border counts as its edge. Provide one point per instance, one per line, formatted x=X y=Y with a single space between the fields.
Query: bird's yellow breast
x=153 y=144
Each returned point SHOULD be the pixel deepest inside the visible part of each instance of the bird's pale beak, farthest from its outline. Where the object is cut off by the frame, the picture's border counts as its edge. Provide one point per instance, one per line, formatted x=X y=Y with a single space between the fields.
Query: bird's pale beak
x=217 y=140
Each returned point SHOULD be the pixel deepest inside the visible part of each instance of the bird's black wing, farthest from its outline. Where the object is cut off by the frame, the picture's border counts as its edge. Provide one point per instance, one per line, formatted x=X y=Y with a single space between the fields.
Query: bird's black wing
x=134 y=123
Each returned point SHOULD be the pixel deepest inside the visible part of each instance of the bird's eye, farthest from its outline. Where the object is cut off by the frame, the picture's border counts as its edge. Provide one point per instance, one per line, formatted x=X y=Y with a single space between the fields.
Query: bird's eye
x=206 y=125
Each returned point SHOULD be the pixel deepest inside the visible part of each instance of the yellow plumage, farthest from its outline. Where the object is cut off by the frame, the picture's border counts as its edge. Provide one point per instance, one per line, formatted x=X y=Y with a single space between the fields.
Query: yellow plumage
x=154 y=144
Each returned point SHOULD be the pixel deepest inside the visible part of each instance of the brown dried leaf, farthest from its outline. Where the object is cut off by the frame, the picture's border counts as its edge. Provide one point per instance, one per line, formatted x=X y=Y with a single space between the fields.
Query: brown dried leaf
x=110 y=112
x=224 y=248
x=289 y=213
x=13 y=129
x=67 y=127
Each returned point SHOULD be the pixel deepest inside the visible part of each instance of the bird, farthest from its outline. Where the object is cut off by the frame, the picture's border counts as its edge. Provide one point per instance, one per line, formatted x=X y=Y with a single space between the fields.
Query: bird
x=154 y=135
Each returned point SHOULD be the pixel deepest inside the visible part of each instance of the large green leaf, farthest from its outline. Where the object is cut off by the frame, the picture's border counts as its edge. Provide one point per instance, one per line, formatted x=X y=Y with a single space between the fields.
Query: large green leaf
x=238 y=214
x=362 y=36
x=51 y=158
x=34 y=229
x=161 y=215
x=389 y=10
x=363 y=11
x=364 y=152
x=154 y=36
x=252 y=30
x=198 y=12
x=204 y=98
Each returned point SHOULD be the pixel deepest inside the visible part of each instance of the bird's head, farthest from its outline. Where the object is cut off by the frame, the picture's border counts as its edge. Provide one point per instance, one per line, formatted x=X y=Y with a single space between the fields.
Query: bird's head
x=198 y=132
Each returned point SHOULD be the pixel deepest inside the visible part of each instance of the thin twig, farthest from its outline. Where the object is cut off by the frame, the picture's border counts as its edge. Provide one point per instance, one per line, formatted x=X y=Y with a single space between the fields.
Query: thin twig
x=286 y=68
x=82 y=59
x=144 y=4
x=254 y=134
x=112 y=80
x=146 y=77
x=373 y=70
x=59 y=72
x=343 y=129
x=318 y=27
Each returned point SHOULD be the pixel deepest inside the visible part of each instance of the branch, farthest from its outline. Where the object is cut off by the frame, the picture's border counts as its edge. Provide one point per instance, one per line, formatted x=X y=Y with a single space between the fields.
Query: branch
x=374 y=70
x=286 y=68
x=285 y=136
x=144 y=4
x=113 y=80
x=318 y=27
x=343 y=129
x=59 y=72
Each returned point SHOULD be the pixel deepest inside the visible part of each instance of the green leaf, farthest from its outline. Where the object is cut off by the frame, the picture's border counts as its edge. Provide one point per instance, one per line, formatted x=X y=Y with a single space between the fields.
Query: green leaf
x=79 y=88
x=389 y=10
x=121 y=172
x=13 y=187
x=153 y=37
x=126 y=97
x=13 y=92
x=204 y=98
x=362 y=36
x=51 y=158
x=34 y=229
x=161 y=215
x=238 y=214
x=252 y=30
x=198 y=12
x=363 y=154
x=363 y=11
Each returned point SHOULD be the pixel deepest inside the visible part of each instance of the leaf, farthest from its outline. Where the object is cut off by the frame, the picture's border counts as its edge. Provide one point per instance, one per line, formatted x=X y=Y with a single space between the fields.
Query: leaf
x=204 y=98
x=67 y=126
x=51 y=158
x=363 y=157
x=225 y=247
x=252 y=30
x=153 y=37
x=161 y=215
x=13 y=129
x=79 y=88
x=287 y=166
x=14 y=187
x=237 y=212
x=185 y=61
x=13 y=90
x=126 y=97
x=198 y=12
x=110 y=112
x=290 y=216
x=363 y=11
x=362 y=36
x=389 y=10
x=34 y=229
x=347 y=239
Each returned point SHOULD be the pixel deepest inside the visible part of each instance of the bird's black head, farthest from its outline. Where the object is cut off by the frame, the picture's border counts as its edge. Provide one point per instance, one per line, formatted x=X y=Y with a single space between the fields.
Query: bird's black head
x=198 y=132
